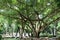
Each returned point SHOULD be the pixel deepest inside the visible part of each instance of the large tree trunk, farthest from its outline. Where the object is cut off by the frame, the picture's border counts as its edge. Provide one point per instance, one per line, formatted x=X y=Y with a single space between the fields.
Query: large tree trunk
x=36 y=34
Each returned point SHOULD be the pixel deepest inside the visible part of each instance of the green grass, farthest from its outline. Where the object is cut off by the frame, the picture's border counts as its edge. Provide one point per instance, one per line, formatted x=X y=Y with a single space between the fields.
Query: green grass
x=10 y=39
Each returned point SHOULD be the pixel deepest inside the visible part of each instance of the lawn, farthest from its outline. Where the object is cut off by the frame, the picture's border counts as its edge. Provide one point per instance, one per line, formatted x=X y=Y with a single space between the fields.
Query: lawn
x=10 y=39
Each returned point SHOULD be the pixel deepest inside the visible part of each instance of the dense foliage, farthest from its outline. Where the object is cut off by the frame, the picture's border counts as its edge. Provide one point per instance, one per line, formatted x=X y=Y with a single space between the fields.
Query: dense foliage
x=31 y=16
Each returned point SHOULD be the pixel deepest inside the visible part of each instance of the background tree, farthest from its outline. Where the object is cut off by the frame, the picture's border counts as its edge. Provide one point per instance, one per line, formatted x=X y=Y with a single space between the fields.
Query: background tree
x=36 y=14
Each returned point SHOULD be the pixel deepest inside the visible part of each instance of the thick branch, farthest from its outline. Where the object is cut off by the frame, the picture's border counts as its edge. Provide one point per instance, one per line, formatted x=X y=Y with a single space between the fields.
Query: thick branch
x=51 y=23
x=52 y=13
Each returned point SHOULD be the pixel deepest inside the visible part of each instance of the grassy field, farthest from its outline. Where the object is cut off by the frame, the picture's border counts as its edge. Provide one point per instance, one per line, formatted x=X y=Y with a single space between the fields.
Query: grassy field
x=10 y=39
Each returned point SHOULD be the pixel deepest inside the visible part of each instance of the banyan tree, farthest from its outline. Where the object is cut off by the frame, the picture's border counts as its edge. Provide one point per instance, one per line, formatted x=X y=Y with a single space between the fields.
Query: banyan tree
x=32 y=15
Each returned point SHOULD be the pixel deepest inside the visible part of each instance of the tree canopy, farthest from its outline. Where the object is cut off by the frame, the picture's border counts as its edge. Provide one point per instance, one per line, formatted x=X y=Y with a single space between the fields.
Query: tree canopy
x=31 y=15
